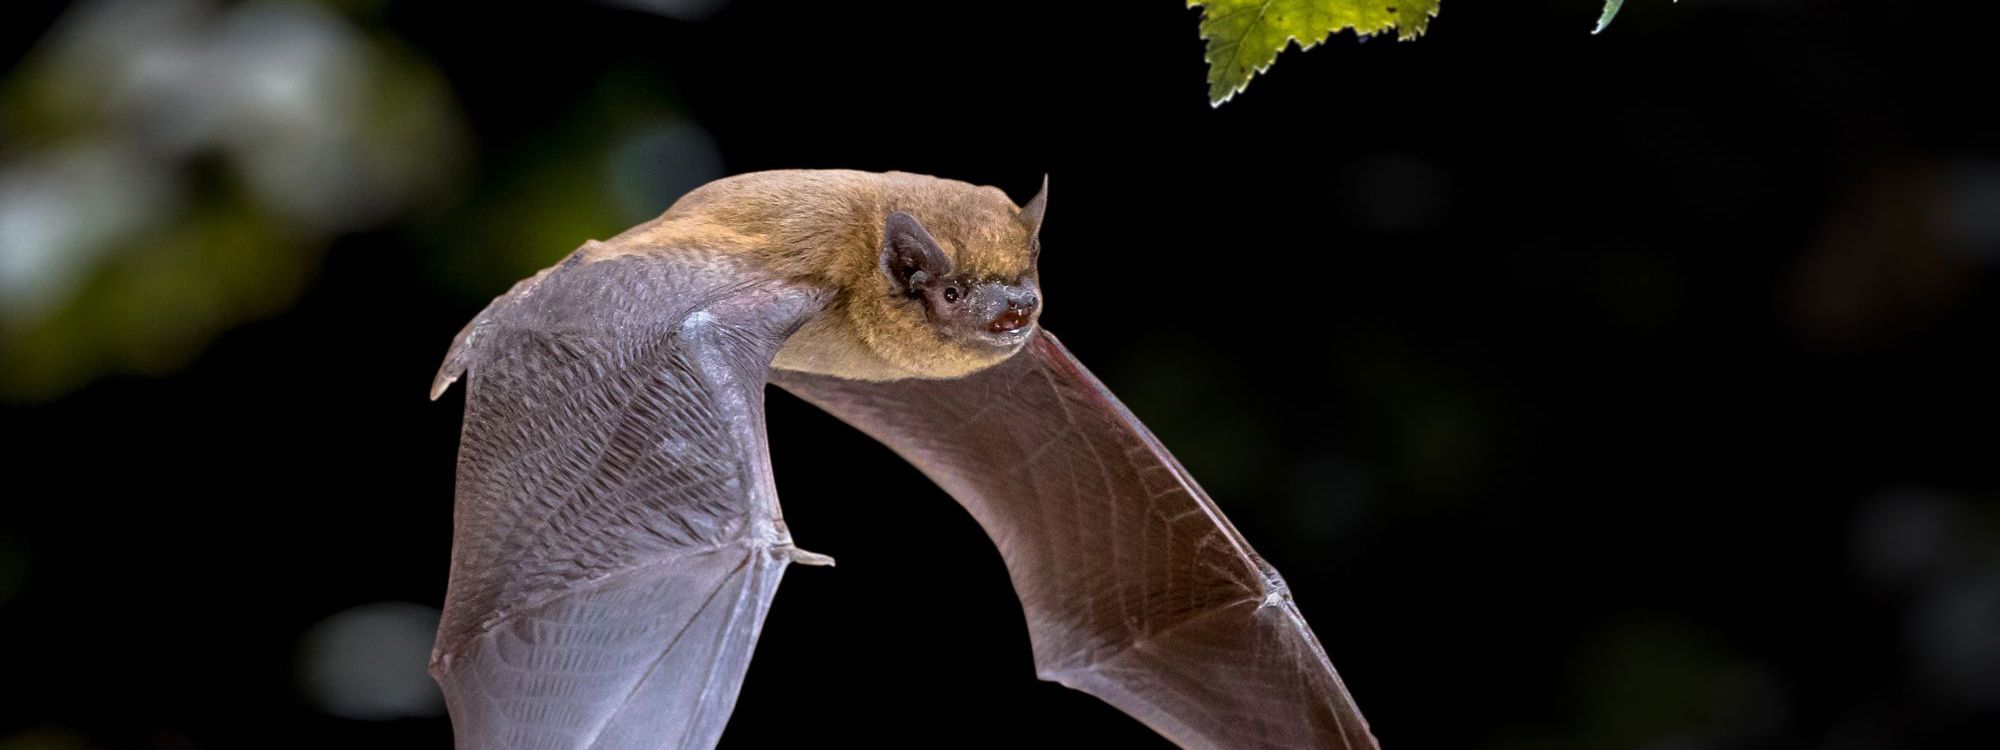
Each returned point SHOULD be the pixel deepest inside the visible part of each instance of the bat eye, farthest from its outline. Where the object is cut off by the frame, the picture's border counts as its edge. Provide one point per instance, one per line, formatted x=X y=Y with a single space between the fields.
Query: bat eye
x=951 y=294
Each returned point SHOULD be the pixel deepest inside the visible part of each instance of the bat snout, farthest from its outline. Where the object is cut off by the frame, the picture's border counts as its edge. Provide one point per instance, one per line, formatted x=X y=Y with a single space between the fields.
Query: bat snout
x=1019 y=311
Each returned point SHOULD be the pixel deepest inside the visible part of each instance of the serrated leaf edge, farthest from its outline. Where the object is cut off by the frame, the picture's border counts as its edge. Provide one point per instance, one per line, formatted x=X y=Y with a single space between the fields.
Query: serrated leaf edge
x=1291 y=41
x=1610 y=11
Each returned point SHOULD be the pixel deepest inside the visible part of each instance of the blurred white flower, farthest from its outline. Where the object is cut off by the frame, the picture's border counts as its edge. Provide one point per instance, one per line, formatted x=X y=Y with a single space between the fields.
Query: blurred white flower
x=60 y=210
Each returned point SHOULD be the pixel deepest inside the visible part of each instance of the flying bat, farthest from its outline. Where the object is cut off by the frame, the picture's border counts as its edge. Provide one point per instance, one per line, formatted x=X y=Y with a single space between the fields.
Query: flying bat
x=617 y=536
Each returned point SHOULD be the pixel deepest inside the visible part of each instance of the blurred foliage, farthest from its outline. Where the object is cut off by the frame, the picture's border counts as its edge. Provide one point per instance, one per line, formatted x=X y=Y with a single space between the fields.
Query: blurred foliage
x=618 y=155
x=158 y=296
x=175 y=168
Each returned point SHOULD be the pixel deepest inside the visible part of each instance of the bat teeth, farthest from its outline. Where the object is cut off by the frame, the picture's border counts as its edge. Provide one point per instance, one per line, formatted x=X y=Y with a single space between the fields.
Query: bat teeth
x=1010 y=320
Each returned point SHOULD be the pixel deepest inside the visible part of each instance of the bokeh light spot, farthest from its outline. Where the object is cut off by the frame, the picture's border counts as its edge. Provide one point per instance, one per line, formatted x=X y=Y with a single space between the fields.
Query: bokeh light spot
x=368 y=663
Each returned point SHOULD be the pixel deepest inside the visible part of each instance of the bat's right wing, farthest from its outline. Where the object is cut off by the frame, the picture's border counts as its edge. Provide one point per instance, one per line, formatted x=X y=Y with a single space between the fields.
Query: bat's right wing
x=1136 y=589
x=617 y=538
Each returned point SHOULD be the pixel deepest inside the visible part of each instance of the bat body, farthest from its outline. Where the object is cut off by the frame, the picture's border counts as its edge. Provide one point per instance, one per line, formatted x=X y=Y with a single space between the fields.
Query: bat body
x=618 y=539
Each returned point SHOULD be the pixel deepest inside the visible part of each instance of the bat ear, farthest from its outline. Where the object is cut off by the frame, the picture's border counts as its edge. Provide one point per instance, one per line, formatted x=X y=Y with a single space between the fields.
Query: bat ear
x=909 y=256
x=1031 y=213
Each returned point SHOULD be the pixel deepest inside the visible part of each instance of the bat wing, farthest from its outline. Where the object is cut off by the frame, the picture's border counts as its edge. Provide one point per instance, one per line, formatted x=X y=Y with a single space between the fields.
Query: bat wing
x=617 y=537
x=1136 y=589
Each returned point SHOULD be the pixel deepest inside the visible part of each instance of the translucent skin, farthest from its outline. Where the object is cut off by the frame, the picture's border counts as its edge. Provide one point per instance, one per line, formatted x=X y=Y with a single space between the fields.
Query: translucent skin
x=618 y=537
x=1137 y=589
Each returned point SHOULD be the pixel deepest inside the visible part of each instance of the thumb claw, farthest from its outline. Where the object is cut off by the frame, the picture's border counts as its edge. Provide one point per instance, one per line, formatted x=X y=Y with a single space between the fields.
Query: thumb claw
x=803 y=557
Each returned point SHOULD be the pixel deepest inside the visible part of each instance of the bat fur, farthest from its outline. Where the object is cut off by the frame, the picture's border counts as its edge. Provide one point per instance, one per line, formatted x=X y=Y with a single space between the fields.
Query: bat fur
x=617 y=535
x=823 y=228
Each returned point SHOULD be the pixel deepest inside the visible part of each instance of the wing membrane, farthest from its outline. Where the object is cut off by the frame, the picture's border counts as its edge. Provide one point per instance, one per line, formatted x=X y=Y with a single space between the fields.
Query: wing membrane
x=617 y=537
x=1136 y=589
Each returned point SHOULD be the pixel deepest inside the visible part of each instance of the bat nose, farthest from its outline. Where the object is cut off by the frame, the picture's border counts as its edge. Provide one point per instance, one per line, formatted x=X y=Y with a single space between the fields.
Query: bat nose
x=1020 y=308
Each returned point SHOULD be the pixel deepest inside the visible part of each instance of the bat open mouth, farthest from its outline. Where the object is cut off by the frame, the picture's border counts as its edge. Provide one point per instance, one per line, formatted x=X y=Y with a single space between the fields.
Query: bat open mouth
x=1010 y=320
x=1005 y=338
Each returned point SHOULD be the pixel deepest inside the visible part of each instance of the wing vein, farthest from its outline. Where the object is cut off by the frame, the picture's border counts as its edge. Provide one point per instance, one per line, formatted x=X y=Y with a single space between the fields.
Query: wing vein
x=637 y=685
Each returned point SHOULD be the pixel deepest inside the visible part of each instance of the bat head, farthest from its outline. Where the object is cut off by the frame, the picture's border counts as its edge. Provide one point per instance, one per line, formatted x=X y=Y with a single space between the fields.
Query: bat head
x=958 y=281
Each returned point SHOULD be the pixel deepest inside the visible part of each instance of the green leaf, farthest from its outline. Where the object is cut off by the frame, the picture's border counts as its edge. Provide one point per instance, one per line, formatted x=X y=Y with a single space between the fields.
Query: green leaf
x=1610 y=12
x=1245 y=36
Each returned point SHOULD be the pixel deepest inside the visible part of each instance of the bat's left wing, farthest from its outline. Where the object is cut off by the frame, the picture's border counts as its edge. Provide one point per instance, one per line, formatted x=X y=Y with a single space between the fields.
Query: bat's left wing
x=1136 y=589
x=617 y=538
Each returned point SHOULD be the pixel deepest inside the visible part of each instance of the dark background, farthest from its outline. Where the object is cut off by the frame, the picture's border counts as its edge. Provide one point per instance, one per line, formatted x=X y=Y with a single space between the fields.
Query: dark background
x=1617 y=391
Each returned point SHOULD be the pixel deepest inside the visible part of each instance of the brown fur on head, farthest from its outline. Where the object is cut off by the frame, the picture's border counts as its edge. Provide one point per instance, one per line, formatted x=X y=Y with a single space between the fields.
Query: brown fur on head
x=953 y=286
x=933 y=278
